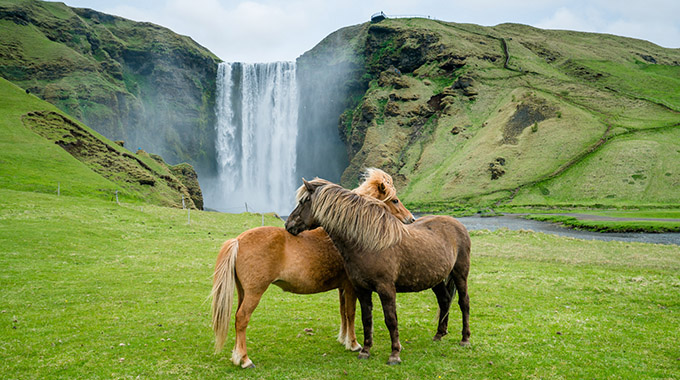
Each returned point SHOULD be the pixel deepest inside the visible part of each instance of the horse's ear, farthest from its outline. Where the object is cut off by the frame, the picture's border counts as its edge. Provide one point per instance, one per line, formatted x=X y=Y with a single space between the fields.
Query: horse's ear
x=310 y=188
x=381 y=189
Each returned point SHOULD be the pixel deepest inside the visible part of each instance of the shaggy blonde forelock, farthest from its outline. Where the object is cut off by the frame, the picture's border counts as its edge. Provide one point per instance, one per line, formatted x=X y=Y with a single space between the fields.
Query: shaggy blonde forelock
x=372 y=179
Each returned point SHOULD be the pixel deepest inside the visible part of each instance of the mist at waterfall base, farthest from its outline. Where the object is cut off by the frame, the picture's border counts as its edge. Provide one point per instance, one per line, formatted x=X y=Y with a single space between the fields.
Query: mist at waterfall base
x=258 y=118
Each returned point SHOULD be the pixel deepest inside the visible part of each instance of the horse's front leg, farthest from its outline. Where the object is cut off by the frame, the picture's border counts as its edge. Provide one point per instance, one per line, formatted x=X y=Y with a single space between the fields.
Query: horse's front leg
x=388 y=298
x=366 y=303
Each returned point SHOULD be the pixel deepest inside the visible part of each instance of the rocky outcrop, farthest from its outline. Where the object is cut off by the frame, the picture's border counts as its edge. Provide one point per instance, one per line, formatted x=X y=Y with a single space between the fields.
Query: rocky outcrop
x=155 y=181
x=187 y=176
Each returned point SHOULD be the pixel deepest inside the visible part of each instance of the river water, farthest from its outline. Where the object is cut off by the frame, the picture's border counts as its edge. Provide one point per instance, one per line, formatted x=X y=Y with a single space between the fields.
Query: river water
x=518 y=223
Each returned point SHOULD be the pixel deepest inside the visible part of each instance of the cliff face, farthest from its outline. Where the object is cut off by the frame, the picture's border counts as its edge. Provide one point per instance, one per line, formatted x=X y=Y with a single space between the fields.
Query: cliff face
x=475 y=114
x=330 y=79
x=130 y=81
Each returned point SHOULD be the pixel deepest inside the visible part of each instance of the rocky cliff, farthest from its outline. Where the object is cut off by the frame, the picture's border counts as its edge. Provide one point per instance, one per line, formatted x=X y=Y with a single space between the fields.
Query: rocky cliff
x=136 y=82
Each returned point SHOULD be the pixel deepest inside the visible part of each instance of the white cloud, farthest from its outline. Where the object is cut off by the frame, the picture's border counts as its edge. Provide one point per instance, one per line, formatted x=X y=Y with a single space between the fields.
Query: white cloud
x=272 y=30
x=647 y=23
x=564 y=18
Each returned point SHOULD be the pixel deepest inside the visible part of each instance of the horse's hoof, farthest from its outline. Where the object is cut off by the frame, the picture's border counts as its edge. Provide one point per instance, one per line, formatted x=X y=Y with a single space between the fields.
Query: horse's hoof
x=394 y=361
x=248 y=364
x=356 y=349
x=363 y=355
x=465 y=343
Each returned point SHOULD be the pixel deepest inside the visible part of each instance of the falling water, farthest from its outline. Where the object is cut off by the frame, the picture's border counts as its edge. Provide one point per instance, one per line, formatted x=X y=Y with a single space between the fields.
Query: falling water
x=257 y=112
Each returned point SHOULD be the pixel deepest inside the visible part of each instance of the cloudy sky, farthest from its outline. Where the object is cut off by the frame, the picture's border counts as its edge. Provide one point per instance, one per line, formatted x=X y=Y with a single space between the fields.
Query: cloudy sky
x=281 y=30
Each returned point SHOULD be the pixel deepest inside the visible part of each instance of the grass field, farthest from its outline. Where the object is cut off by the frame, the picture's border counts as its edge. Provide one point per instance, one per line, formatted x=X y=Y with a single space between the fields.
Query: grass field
x=96 y=290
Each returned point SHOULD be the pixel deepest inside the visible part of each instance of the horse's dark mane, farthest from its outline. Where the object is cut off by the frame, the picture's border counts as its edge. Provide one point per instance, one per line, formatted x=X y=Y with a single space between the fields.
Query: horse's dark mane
x=364 y=221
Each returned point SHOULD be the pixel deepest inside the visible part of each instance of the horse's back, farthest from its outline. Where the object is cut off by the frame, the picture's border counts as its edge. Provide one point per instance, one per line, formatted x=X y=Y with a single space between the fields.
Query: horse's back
x=443 y=225
x=457 y=234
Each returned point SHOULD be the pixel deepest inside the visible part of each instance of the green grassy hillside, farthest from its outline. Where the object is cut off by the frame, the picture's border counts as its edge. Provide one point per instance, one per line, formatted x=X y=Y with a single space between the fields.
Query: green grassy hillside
x=512 y=114
x=130 y=81
x=44 y=150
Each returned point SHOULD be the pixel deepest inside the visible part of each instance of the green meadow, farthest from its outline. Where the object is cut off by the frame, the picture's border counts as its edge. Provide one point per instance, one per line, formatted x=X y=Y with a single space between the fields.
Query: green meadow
x=93 y=289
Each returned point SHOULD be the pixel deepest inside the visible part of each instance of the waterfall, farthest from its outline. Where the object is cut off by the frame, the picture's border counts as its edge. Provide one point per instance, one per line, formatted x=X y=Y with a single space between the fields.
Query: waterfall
x=256 y=130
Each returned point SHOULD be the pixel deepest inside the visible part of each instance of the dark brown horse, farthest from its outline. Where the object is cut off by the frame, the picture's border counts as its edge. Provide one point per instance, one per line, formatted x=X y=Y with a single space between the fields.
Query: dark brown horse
x=383 y=255
x=303 y=264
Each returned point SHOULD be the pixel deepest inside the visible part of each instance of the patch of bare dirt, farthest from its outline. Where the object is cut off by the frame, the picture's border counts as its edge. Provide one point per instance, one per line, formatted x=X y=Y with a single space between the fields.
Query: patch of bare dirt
x=530 y=111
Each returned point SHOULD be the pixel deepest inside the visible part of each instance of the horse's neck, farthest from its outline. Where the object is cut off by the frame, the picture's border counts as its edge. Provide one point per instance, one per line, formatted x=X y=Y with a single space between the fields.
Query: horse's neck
x=346 y=247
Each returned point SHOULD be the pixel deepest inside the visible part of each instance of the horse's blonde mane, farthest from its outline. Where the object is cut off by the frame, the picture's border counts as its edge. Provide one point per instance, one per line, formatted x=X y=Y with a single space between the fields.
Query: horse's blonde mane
x=376 y=181
x=365 y=221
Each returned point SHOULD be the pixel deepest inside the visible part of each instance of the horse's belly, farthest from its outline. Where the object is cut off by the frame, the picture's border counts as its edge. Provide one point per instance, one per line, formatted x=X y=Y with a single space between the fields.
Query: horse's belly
x=314 y=273
x=406 y=285
x=311 y=284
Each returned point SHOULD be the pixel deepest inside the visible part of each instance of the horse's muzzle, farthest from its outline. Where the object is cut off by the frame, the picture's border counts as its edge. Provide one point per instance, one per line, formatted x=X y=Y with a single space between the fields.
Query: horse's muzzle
x=293 y=228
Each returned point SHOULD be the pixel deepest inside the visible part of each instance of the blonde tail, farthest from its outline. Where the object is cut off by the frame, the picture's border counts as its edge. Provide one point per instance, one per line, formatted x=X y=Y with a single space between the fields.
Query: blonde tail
x=224 y=281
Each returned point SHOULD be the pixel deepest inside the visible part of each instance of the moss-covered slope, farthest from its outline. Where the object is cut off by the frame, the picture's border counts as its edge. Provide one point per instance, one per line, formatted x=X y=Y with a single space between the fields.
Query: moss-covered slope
x=464 y=113
x=44 y=150
x=130 y=81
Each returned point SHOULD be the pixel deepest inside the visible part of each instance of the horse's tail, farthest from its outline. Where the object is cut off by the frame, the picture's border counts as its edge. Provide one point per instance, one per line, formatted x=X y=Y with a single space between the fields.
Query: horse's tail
x=224 y=281
x=451 y=287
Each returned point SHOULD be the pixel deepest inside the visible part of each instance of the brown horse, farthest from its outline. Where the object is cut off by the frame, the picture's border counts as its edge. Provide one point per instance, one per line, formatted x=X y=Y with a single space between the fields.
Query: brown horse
x=303 y=264
x=382 y=255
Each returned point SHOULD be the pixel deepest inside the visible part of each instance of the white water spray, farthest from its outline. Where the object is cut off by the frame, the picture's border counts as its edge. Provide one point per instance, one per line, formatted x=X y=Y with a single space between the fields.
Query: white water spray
x=257 y=112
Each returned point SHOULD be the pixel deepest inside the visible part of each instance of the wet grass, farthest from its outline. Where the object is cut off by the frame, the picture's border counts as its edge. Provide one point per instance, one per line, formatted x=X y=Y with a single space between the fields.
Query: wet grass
x=96 y=290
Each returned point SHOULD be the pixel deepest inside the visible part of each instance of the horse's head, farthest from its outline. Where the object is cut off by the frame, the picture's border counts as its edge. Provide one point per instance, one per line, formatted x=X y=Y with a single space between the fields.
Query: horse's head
x=398 y=209
x=302 y=218
x=363 y=221
x=379 y=185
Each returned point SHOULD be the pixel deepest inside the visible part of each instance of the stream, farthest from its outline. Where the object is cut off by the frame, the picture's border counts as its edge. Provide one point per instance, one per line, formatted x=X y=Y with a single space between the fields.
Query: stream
x=518 y=223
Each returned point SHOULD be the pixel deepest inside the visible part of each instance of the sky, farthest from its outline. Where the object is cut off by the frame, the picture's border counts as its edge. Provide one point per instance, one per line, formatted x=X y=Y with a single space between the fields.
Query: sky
x=282 y=30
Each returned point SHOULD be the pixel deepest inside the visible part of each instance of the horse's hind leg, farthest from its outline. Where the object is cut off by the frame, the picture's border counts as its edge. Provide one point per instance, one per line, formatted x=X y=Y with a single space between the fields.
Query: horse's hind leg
x=245 y=310
x=342 y=334
x=350 y=304
x=444 y=301
x=464 y=303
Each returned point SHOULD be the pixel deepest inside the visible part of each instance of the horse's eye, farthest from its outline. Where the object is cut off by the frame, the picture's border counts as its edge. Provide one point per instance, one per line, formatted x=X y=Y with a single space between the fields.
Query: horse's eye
x=395 y=201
